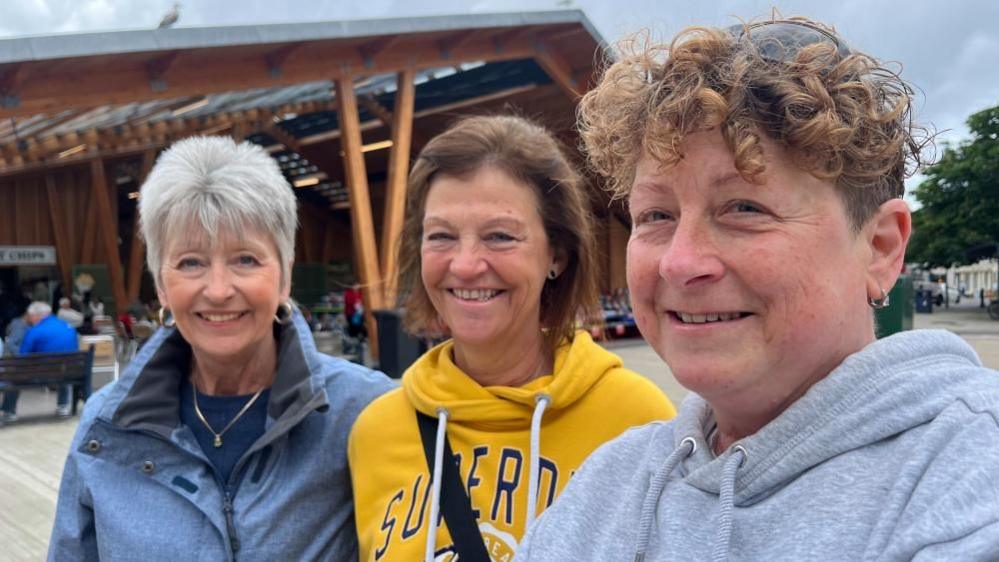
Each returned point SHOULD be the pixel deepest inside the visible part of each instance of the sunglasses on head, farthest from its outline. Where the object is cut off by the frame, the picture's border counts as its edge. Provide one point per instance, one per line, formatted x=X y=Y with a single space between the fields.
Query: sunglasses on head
x=782 y=40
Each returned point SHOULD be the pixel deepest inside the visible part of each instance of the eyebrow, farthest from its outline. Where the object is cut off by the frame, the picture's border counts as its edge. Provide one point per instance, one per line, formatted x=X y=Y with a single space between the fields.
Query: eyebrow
x=715 y=182
x=498 y=221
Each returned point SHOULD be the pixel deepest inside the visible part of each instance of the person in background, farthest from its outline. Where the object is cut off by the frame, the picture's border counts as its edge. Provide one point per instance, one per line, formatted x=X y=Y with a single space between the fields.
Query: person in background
x=47 y=334
x=497 y=252
x=353 y=311
x=16 y=330
x=764 y=169
x=96 y=307
x=68 y=315
x=225 y=437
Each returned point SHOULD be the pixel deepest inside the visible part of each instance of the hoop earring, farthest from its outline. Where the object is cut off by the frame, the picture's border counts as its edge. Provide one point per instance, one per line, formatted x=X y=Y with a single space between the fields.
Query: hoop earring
x=289 y=311
x=552 y=274
x=166 y=322
x=881 y=303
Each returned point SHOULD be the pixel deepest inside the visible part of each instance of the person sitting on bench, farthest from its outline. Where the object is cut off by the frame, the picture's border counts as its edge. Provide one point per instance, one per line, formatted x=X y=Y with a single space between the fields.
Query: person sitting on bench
x=48 y=334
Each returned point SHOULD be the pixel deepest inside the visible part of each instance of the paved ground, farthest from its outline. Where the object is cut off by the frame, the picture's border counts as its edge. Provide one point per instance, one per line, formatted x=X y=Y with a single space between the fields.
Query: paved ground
x=32 y=451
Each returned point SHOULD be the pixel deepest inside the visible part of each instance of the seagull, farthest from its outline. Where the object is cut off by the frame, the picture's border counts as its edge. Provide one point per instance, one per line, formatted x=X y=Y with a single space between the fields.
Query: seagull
x=171 y=17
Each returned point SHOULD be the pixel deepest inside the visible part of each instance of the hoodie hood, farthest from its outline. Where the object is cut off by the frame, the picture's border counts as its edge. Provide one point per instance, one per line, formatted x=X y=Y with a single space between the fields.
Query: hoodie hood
x=434 y=382
x=885 y=389
x=889 y=457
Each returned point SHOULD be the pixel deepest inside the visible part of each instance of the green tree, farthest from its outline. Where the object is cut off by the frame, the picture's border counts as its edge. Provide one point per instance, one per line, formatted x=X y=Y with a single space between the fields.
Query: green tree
x=960 y=197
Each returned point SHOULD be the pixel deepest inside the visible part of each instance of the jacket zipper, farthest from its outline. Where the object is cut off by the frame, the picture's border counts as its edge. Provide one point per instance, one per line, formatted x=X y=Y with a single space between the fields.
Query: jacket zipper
x=229 y=524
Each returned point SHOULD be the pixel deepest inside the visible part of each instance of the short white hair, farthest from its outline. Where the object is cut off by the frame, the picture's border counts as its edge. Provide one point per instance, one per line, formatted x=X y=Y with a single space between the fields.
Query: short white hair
x=218 y=185
x=39 y=308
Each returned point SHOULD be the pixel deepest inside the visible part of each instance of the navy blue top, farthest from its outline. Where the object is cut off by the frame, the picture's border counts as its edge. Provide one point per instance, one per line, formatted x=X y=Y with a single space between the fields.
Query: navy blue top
x=219 y=411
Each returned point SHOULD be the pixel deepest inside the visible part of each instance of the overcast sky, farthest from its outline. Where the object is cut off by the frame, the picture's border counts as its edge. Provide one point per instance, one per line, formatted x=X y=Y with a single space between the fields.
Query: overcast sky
x=948 y=50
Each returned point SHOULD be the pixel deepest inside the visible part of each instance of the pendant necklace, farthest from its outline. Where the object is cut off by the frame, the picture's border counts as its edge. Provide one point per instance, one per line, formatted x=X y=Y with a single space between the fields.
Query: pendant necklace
x=218 y=436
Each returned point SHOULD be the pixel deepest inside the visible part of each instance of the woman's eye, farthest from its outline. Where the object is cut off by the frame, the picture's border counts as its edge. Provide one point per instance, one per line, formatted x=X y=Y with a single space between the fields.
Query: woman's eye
x=438 y=236
x=247 y=260
x=189 y=263
x=746 y=207
x=499 y=237
x=652 y=215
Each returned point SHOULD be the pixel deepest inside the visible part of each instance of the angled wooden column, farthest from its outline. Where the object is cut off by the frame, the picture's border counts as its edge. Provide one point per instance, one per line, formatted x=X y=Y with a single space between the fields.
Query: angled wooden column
x=59 y=233
x=89 y=233
x=362 y=225
x=398 y=173
x=137 y=254
x=109 y=230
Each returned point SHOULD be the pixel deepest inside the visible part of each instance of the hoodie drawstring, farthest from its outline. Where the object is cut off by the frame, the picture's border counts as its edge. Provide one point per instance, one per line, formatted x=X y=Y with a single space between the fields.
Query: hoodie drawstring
x=726 y=499
x=435 y=496
x=534 y=466
x=684 y=450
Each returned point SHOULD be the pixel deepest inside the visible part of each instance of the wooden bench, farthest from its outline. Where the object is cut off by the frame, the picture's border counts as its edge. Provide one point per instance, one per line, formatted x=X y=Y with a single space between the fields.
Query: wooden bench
x=49 y=369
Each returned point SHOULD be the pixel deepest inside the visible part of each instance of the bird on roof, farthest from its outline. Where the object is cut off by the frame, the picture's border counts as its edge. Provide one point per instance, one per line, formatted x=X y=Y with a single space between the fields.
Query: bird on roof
x=171 y=17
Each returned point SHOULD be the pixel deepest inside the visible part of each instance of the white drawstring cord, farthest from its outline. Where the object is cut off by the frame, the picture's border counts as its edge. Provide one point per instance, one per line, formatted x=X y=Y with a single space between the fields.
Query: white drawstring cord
x=534 y=466
x=435 y=495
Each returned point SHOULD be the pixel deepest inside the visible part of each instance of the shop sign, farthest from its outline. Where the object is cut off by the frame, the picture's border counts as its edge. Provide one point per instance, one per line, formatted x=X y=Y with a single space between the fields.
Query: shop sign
x=27 y=255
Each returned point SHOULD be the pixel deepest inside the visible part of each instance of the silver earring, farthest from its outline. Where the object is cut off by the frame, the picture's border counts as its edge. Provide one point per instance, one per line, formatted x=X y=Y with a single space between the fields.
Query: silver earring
x=166 y=321
x=552 y=274
x=288 y=312
x=883 y=302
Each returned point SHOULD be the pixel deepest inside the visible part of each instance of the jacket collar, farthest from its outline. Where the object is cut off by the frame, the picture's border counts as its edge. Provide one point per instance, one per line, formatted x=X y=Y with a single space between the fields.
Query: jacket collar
x=148 y=395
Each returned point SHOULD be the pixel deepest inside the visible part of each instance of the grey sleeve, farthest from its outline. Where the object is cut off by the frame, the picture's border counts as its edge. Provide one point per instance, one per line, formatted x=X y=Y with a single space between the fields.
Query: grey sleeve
x=73 y=533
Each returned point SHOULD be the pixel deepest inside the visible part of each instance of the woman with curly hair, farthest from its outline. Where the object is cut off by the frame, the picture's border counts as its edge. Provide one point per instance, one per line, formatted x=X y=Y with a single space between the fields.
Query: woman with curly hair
x=763 y=166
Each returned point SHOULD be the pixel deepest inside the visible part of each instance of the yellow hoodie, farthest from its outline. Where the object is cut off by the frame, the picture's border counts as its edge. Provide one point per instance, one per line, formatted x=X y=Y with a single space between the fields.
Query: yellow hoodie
x=590 y=399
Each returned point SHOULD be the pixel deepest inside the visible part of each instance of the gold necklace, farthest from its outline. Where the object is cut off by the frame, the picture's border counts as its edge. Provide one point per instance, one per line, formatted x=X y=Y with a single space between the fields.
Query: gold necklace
x=218 y=436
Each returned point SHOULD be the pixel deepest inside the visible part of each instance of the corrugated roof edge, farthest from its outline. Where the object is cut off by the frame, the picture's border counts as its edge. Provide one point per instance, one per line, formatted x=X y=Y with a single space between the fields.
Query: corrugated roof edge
x=47 y=47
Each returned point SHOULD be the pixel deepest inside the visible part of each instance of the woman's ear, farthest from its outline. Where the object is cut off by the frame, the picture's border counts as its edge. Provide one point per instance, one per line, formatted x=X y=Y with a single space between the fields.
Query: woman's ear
x=888 y=234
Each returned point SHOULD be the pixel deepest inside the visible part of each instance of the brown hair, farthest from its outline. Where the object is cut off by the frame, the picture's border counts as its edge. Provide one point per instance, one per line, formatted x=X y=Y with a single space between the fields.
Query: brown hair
x=842 y=118
x=532 y=156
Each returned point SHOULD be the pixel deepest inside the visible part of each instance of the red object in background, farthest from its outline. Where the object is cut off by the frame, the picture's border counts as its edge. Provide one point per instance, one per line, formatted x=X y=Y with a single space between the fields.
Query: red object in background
x=351 y=298
x=126 y=319
x=619 y=329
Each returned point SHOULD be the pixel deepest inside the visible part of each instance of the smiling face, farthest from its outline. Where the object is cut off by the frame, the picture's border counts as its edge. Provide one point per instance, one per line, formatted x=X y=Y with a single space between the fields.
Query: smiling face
x=750 y=292
x=223 y=292
x=484 y=257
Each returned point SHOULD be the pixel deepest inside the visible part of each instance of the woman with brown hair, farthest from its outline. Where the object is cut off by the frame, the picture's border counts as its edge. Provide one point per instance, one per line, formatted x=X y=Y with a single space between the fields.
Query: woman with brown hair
x=497 y=253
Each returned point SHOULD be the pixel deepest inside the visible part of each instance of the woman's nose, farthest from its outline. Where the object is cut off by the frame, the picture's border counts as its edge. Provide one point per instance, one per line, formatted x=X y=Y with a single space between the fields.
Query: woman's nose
x=692 y=256
x=220 y=287
x=467 y=261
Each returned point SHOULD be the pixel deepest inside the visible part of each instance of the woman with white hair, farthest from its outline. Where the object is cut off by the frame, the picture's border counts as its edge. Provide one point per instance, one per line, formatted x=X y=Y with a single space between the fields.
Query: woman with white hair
x=226 y=435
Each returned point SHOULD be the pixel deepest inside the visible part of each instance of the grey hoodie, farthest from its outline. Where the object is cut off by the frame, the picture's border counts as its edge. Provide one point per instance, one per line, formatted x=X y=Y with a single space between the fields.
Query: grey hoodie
x=893 y=456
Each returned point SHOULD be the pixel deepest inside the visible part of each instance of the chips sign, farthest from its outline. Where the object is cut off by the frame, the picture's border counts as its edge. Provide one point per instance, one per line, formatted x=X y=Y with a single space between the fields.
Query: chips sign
x=27 y=255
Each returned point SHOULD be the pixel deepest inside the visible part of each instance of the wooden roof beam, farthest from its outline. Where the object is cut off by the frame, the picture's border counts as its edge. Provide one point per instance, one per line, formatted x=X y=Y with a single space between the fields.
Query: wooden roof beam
x=558 y=68
x=205 y=76
x=275 y=59
x=455 y=41
x=10 y=78
x=369 y=51
x=157 y=69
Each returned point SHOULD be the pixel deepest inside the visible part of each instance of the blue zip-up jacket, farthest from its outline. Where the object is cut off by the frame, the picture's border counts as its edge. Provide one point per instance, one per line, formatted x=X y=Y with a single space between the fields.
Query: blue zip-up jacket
x=137 y=485
x=50 y=335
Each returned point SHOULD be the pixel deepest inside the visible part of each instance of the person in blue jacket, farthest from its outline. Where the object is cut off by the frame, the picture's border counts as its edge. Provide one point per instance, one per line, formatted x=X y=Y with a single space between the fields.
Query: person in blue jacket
x=226 y=436
x=47 y=334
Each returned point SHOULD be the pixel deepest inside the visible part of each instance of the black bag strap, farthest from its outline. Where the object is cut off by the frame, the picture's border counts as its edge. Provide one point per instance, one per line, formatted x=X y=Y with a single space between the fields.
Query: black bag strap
x=455 y=505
